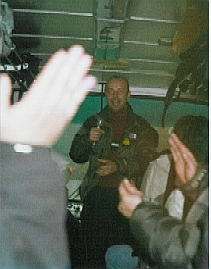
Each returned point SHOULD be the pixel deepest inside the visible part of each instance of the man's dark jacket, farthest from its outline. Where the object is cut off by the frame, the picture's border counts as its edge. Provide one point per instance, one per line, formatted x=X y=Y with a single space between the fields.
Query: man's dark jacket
x=136 y=148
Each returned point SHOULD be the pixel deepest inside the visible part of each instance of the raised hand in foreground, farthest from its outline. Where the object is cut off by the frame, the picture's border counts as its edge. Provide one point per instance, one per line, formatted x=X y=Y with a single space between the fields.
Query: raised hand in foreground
x=50 y=103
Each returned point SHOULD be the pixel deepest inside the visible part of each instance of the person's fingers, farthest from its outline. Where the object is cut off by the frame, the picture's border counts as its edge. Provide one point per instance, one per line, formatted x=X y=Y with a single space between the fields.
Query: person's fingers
x=96 y=133
x=58 y=65
x=178 y=145
x=73 y=73
x=175 y=154
x=179 y=150
x=80 y=68
x=55 y=92
x=79 y=94
x=189 y=157
x=76 y=87
x=130 y=188
x=61 y=115
x=69 y=110
x=40 y=90
x=74 y=68
x=50 y=72
x=125 y=182
x=128 y=201
x=52 y=98
x=72 y=84
x=53 y=78
x=185 y=162
x=5 y=90
x=122 y=189
x=79 y=83
x=175 y=149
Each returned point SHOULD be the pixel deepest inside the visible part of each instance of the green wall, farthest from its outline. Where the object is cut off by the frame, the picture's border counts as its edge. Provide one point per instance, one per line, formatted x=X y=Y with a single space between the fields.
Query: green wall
x=150 y=109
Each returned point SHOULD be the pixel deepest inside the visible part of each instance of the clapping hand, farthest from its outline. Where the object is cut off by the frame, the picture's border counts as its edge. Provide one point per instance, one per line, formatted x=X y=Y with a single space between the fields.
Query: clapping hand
x=184 y=161
x=130 y=197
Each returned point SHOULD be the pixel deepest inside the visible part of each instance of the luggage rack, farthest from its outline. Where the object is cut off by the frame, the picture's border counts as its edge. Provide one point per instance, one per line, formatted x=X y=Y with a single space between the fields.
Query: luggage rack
x=22 y=69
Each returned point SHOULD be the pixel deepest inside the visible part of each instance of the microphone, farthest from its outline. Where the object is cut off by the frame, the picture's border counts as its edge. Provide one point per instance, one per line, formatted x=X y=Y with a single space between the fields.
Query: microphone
x=99 y=124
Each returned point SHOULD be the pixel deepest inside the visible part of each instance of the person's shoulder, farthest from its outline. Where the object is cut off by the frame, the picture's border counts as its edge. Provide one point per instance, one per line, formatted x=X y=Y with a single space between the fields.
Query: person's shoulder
x=141 y=120
x=136 y=117
x=93 y=120
x=91 y=117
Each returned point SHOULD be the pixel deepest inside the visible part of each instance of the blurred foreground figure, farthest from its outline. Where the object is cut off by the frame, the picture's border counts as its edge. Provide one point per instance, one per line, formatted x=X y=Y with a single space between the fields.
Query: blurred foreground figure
x=33 y=191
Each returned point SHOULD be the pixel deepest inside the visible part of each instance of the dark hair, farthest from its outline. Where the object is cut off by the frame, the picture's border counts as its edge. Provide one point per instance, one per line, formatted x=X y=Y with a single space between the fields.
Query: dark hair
x=117 y=77
x=193 y=131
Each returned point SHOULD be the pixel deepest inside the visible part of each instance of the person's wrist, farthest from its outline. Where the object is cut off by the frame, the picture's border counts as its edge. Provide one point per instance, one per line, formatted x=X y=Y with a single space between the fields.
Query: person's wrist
x=15 y=137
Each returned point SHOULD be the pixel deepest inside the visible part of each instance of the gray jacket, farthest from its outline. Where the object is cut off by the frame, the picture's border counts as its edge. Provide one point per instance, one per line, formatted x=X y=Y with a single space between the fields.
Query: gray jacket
x=164 y=241
x=33 y=210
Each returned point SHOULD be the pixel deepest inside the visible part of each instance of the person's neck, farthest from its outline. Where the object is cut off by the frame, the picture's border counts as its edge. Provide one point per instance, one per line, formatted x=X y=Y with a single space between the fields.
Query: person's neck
x=119 y=111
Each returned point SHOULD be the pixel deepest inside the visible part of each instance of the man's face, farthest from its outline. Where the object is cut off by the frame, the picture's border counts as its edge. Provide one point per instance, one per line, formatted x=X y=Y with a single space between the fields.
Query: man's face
x=117 y=93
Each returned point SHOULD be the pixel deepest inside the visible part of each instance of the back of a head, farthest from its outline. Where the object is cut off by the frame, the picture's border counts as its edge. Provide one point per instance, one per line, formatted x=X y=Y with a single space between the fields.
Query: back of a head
x=193 y=131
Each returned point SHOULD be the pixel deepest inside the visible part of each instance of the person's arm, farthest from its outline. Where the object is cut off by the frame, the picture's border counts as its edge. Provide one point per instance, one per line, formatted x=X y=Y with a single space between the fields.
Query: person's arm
x=84 y=139
x=162 y=239
x=50 y=103
x=32 y=186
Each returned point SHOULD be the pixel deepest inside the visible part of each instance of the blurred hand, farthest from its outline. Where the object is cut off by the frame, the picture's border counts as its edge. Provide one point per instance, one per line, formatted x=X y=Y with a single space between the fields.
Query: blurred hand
x=184 y=161
x=95 y=134
x=50 y=103
x=107 y=168
x=130 y=197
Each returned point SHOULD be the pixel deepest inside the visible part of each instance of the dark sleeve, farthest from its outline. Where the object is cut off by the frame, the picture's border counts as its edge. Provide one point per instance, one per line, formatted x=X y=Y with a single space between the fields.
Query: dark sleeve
x=81 y=146
x=202 y=257
x=163 y=240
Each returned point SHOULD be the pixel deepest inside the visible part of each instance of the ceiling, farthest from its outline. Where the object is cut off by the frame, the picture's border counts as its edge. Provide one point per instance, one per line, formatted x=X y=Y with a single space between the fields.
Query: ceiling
x=128 y=37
